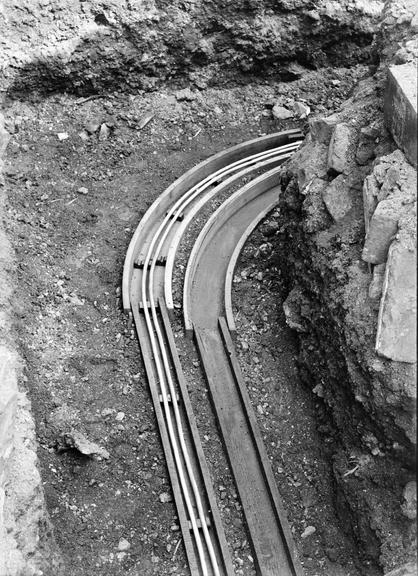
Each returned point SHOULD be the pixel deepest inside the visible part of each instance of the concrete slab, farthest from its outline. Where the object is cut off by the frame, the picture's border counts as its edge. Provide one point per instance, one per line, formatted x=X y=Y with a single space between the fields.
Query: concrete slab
x=401 y=108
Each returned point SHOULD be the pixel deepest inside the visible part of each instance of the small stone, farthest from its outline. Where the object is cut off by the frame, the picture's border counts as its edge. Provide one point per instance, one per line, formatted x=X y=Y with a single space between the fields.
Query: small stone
x=92 y=126
x=244 y=346
x=319 y=390
x=165 y=497
x=62 y=135
x=185 y=94
x=120 y=416
x=107 y=412
x=123 y=545
x=281 y=113
x=83 y=135
x=104 y=132
x=145 y=120
x=174 y=527
x=77 y=440
x=309 y=530
x=83 y=190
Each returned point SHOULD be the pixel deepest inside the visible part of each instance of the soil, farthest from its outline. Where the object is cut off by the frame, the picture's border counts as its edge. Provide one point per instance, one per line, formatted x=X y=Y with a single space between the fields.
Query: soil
x=76 y=194
x=86 y=47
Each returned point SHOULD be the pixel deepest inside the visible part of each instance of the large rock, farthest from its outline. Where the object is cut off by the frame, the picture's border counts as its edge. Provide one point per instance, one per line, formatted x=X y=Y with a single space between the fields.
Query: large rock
x=338 y=198
x=321 y=129
x=341 y=148
x=396 y=330
x=401 y=108
x=382 y=229
x=310 y=162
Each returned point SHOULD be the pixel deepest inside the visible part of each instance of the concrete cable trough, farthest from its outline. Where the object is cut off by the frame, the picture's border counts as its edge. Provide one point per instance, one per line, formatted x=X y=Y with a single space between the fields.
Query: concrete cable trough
x=148 y=297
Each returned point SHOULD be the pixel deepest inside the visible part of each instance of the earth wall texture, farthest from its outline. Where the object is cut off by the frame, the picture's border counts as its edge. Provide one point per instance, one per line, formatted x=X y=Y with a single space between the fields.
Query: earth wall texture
x=348 y=236
x=91 y=46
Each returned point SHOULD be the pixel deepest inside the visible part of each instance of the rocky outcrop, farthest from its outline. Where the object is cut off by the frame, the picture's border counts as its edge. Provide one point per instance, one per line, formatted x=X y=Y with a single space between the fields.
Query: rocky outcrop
x=347 y=236
x=88 y=47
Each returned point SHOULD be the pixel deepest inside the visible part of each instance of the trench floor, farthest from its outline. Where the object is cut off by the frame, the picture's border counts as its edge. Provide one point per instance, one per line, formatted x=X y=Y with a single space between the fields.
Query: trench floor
x=75 y=197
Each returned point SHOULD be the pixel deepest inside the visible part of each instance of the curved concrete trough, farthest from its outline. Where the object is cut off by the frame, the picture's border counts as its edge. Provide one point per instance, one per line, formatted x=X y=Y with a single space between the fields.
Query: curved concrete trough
x=183 y=185
x=204 y=282
x=147 y=295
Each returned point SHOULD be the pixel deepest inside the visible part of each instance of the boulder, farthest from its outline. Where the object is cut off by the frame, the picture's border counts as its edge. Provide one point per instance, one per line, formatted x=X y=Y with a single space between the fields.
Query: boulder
x=382 y=229
x=322 y=128
x=337 y=198
x=310 y=162
x=340 y=150
x=396 y=329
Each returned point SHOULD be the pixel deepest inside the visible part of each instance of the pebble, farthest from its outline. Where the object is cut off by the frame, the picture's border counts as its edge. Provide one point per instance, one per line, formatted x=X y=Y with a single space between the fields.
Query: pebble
x=92 y=126
x=120 y=416
x=309 y=530
x=123 y=545
x=165 y=497
x=244 y=345
x=185 y=94
x=83 y=190
x=104 y=132
x=62 y=135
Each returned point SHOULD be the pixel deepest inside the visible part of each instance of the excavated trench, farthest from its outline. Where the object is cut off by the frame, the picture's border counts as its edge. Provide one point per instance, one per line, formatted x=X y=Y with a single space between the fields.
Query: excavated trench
x=73 y=203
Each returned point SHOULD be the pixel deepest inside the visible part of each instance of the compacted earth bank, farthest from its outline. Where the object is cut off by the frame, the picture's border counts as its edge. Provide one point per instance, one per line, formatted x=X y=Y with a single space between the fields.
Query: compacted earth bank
x=104 y=106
